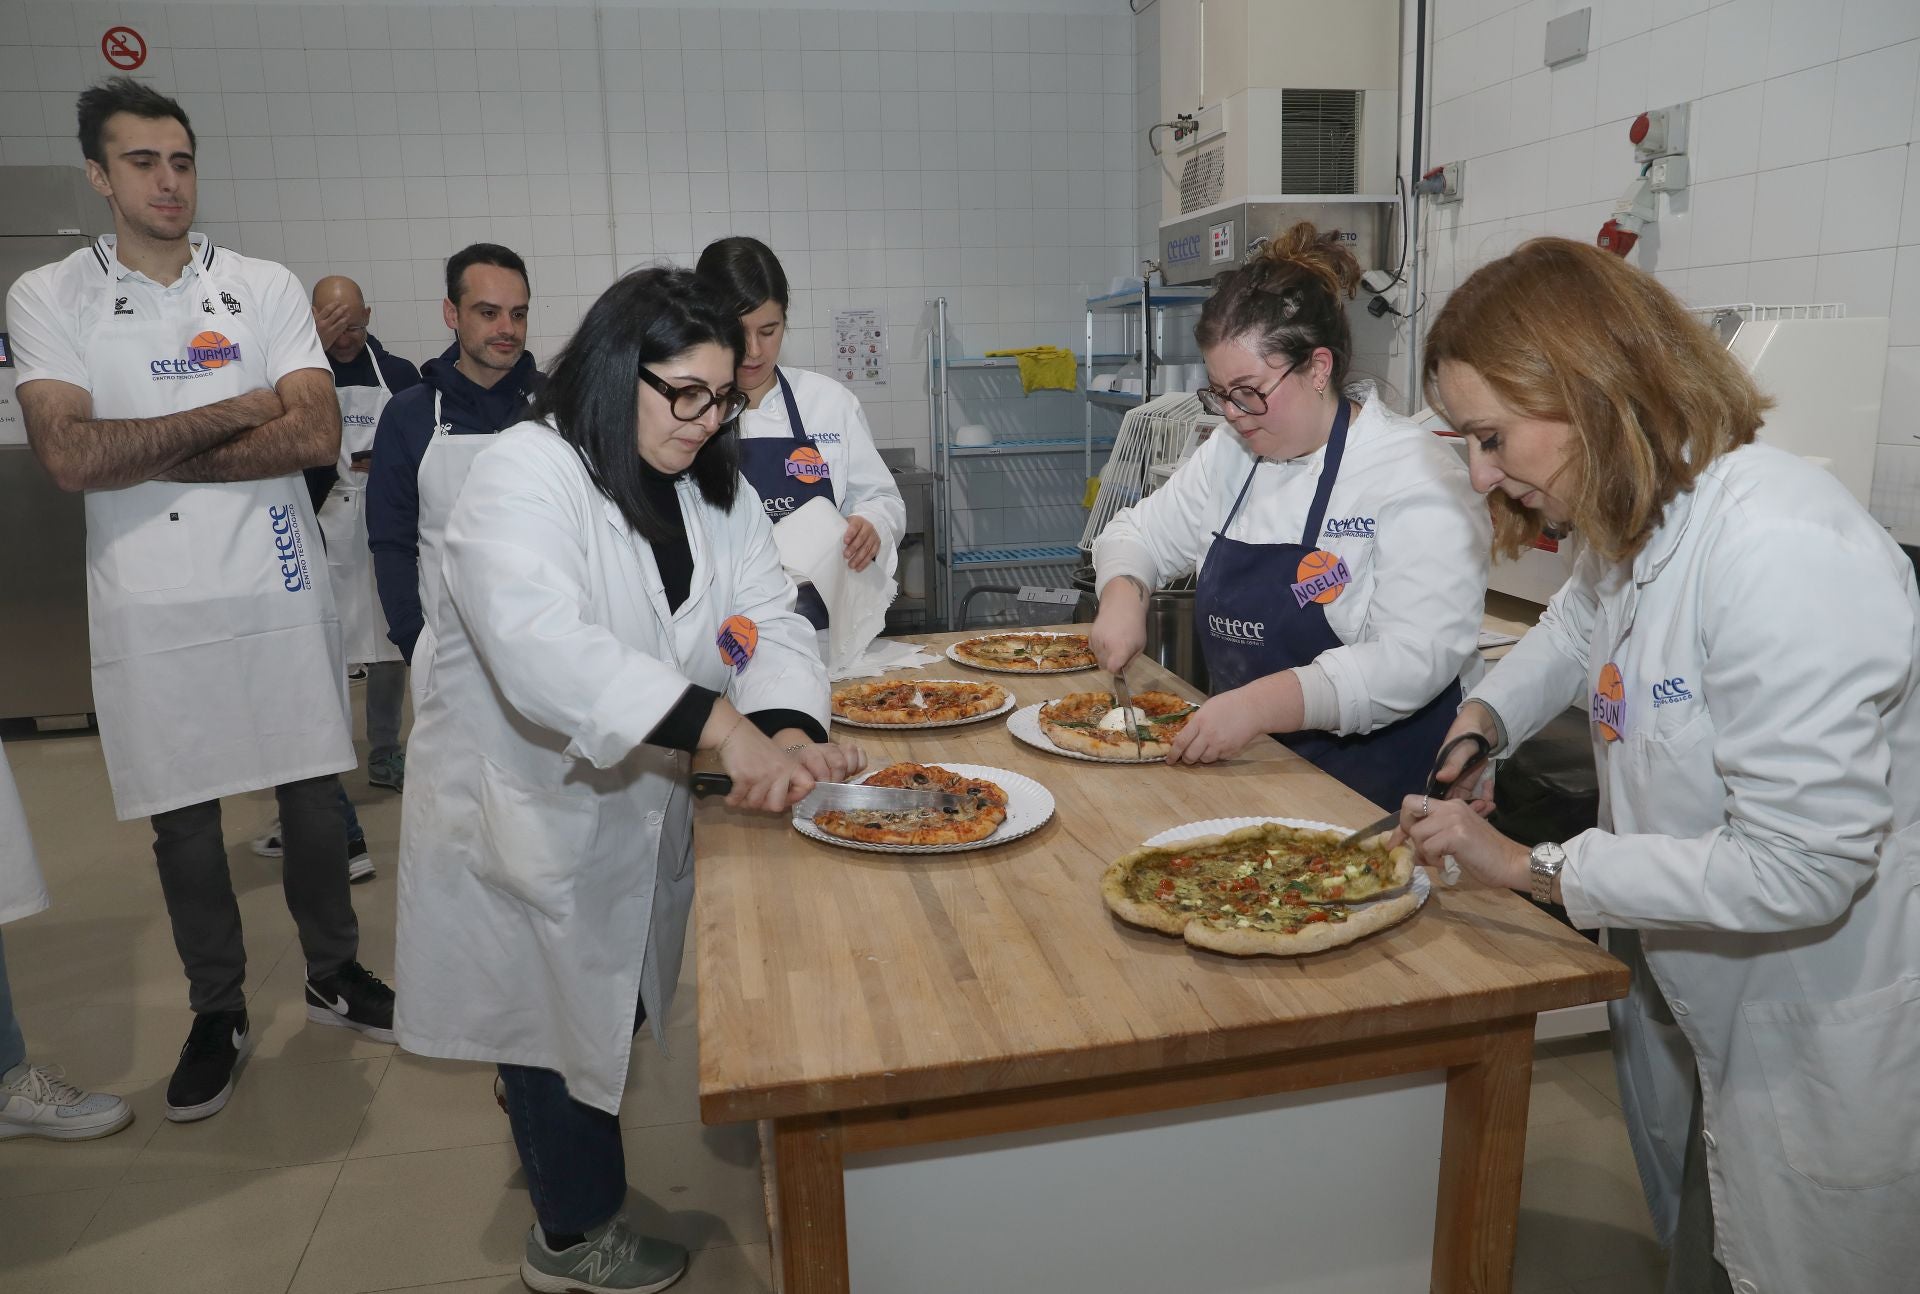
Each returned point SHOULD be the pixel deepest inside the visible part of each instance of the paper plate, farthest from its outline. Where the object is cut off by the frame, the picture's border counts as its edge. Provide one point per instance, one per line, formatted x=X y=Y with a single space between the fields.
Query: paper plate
x=1025 y=724
x=1029 y=806
x=1422 y=884
x=1005 y=669
x=994 y=713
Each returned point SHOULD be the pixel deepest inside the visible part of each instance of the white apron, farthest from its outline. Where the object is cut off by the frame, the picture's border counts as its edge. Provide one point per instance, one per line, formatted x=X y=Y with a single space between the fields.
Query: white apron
x=443 y=470
x=216 y=652
x=343 y=520
x=22 y=893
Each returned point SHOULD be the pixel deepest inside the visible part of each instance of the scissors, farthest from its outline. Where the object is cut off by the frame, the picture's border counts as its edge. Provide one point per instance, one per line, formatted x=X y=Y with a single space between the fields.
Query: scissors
x=1437 y=788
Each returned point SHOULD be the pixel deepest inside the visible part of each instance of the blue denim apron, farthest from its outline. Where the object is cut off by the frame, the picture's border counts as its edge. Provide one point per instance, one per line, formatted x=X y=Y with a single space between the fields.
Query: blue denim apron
x=787 y=473
x=1262 y=608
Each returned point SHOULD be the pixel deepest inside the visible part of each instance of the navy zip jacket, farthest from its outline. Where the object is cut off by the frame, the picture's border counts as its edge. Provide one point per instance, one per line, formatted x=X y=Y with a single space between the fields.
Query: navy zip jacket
x=393 y=487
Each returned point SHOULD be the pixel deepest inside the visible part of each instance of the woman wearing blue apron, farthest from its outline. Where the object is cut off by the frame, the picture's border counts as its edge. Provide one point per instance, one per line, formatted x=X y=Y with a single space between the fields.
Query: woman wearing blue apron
x=1342 y=552
x=811 y=443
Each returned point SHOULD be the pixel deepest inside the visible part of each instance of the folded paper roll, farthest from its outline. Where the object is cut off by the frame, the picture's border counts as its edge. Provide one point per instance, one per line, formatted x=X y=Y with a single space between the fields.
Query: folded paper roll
x=810 y=541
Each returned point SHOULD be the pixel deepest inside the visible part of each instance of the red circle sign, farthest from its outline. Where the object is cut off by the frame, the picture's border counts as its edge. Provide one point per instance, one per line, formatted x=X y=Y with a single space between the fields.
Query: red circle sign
x=123 y=47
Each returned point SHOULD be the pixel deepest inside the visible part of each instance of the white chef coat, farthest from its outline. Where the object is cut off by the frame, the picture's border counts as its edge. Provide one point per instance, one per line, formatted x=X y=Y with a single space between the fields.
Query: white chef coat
x=1759 y=662
x=1404 y=518
x=217 y=664
x=22 y=891
x=862 y=485
x=546 y=852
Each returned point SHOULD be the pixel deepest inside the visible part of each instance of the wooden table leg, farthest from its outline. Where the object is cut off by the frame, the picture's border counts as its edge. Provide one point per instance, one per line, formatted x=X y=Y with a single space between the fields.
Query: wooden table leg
x=810 y=1231
x=1483 y=1147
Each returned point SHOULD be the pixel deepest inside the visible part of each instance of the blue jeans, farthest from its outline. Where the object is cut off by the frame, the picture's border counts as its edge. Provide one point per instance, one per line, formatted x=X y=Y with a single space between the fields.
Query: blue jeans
x=576 y=1167
x=354 y=833
x=13 y=1047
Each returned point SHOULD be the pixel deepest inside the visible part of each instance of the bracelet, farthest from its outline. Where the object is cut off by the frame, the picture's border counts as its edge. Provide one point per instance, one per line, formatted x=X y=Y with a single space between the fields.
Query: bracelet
x=730 y=732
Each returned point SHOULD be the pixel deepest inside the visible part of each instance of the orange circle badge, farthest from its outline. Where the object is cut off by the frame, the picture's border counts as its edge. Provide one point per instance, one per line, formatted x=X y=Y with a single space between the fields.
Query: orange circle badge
x=1320 y=578
x=737 y=640
x=212 y=350
x=806 y=466
x=1608 y=708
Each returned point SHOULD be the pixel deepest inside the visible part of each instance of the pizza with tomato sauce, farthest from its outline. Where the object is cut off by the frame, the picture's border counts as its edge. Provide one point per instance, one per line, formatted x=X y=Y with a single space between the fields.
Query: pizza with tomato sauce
x=1267 y=888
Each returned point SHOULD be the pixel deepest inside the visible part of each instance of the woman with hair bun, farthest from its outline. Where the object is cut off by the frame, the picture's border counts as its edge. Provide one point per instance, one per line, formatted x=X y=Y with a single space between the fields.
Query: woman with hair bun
x=1342 y=554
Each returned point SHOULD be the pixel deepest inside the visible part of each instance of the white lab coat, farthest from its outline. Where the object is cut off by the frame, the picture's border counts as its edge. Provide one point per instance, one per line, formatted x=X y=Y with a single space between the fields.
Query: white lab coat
x=22 y=892
x=1404 y=517
x=1757 y=830
x=546 y=853
x=862 y=485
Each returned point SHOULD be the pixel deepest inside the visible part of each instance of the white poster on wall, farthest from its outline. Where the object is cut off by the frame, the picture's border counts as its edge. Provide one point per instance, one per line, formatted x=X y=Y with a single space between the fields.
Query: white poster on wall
x=860 y=347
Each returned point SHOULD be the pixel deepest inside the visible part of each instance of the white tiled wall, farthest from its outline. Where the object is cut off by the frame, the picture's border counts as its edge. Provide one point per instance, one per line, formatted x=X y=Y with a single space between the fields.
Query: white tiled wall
x=889 y=155
x=1805 y=115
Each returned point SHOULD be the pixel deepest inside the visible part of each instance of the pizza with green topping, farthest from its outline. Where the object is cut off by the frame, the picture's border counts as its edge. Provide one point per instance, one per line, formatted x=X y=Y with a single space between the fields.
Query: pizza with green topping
x=1268 y=888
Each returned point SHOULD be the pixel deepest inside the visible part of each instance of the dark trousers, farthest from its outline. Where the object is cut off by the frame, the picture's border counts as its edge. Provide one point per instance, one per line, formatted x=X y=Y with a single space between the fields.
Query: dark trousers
x=192 y=858
x=576 y=1167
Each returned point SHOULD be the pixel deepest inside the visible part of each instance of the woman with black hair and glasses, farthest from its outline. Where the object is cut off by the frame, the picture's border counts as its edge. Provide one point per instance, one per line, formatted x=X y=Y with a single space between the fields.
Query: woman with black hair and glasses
x=620 y=607
x=803 y=436
x=1342 y=553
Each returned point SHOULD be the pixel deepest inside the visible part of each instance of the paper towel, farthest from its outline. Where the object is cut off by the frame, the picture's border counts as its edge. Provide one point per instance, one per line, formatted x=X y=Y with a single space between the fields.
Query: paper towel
x=809 y=540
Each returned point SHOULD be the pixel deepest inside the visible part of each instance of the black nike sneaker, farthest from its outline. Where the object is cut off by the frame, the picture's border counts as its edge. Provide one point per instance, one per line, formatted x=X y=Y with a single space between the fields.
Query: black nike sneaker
x=352 y=998
x=203 y=1079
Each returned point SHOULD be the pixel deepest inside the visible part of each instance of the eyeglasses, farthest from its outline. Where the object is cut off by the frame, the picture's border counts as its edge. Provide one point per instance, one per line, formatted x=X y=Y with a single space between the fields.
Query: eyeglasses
x=1243 y=398
x=690 y=403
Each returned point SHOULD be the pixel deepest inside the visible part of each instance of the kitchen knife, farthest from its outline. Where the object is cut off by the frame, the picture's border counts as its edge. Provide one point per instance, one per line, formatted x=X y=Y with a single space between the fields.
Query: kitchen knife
x=1125 y=700
x=846 y=795
x=1436 y=789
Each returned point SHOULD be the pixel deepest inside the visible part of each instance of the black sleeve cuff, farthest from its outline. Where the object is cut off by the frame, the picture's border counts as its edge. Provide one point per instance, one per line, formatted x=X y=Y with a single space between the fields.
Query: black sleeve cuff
x=681 y=728
x=772 y=721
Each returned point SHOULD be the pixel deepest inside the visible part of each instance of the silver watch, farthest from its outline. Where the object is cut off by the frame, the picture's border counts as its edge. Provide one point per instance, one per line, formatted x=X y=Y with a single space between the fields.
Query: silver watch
x=1544 y=863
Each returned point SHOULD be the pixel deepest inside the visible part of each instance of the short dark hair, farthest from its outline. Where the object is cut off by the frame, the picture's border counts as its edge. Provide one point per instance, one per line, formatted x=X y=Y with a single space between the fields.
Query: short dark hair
x=483 y=254
x=592 y=394
x=123 y=94
x=744 y=272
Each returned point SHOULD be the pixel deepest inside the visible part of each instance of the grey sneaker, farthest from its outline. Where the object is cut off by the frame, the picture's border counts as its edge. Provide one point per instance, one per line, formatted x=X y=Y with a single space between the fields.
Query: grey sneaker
x=389 y=771
x=616 y=1259
x=37 y=1101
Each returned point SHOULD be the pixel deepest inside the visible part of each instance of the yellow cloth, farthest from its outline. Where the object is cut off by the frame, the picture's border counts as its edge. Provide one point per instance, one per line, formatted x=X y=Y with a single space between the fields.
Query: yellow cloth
x=1047 y=367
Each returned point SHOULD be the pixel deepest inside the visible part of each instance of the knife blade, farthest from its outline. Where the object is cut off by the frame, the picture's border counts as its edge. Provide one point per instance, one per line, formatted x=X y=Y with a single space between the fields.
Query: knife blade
x=1125 y=700
x=845 y=796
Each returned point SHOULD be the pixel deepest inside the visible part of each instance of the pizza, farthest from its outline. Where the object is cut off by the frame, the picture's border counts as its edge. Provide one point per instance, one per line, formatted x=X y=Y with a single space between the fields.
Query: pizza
x=1090 y=723
x=912 y=702
x=921 y=826
x=1267 y=888
x=1022 y=653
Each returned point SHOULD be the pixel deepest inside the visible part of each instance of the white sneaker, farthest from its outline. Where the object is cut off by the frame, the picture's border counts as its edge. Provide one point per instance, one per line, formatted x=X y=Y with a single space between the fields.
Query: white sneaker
x=359 y=862
x=37 y=1101
x=269 y=845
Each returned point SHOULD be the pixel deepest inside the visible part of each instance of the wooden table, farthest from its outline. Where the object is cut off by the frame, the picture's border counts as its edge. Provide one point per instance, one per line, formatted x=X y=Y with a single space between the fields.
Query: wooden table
x=860 y=1004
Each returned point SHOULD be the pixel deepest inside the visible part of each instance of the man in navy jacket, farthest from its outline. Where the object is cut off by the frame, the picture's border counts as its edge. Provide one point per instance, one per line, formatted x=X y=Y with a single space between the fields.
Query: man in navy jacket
x=481 y=386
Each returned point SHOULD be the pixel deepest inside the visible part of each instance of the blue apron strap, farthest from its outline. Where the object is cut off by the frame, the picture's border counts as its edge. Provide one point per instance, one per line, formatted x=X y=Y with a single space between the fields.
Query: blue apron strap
x=1238 y=499
x=794 y=425
x=1329 y=472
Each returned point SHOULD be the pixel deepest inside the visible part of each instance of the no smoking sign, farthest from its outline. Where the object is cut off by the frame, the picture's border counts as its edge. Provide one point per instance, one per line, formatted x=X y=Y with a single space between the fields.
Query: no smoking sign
x=124 y=48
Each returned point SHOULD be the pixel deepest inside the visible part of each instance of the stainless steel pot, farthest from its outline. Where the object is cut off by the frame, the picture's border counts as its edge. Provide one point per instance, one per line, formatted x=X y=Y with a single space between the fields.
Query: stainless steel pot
x=1170 y=634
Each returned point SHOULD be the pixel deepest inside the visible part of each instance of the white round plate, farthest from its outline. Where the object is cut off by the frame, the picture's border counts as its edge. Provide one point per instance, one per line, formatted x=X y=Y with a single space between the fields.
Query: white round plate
x=1029 y=806
x=1422 y=883
x=1001 y=669
x=1025 y=724
x=994 y=713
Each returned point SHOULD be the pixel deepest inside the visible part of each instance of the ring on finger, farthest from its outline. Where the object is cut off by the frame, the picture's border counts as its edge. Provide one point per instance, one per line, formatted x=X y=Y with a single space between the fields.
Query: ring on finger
x=1426 y=806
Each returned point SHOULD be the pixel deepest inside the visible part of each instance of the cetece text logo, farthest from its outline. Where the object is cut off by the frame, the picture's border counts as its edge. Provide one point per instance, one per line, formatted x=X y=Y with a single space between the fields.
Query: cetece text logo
x=1669 y=691
x=207 y=352
x=289 y=548
x=1348 y=528
x=1245 y=633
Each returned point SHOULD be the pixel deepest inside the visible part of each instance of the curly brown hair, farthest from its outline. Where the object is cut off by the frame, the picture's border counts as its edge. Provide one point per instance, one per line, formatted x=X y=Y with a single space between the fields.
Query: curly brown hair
x=1565 y=332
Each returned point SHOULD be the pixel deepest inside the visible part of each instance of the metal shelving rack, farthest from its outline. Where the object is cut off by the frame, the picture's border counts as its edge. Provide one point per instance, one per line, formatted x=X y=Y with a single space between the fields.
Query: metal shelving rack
x=950 y=559
x=1152 y=304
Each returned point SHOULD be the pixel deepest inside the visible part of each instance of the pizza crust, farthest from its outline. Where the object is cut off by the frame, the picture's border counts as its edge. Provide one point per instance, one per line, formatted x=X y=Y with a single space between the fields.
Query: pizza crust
x=1315 y=938
x=909 y=704
x=921 y=827
x=994 y=652
x=1113 y=744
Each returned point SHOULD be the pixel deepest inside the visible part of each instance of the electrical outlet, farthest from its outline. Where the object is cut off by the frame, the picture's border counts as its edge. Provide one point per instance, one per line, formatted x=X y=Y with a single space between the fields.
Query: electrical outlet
x=1444 y=184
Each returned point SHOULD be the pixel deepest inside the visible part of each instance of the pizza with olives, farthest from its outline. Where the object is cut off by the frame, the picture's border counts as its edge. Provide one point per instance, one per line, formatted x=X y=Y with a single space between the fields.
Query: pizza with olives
x=1267 y=888
x=986 y=810
x=913 y=703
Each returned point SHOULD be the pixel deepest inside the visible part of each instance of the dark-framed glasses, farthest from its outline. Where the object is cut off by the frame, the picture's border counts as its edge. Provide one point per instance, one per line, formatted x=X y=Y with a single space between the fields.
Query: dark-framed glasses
x=1244 y=399
x=690 y=403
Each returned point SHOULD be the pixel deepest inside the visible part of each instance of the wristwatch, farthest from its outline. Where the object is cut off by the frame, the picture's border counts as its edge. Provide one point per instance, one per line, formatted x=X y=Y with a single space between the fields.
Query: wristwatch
x=1544 y=864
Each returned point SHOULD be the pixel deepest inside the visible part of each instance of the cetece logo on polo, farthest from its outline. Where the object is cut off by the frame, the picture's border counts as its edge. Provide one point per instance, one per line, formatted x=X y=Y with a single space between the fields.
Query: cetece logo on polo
x=737 y=640
x=1349 y=528
x=806 y=466
x=1608 y=708
x=1320 y=577
x=207 y=352
x=289 y=548
x=1247 y=633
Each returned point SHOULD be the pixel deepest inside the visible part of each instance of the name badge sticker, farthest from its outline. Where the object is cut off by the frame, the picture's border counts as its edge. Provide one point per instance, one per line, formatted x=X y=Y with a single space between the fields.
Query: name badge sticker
x=1608 y=705
x=737 y=640
x=1321 y=577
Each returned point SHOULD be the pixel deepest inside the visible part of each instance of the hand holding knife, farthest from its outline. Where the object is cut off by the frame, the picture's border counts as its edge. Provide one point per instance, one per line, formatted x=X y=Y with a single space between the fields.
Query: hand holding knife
x=1123 y=698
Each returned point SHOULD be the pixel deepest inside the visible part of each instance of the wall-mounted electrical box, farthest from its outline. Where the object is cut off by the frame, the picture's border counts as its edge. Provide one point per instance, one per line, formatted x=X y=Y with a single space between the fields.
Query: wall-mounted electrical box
x=1567 y=37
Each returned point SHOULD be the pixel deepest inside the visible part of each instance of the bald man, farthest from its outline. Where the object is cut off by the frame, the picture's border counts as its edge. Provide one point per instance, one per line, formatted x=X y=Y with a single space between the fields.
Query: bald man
x=365 y=377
